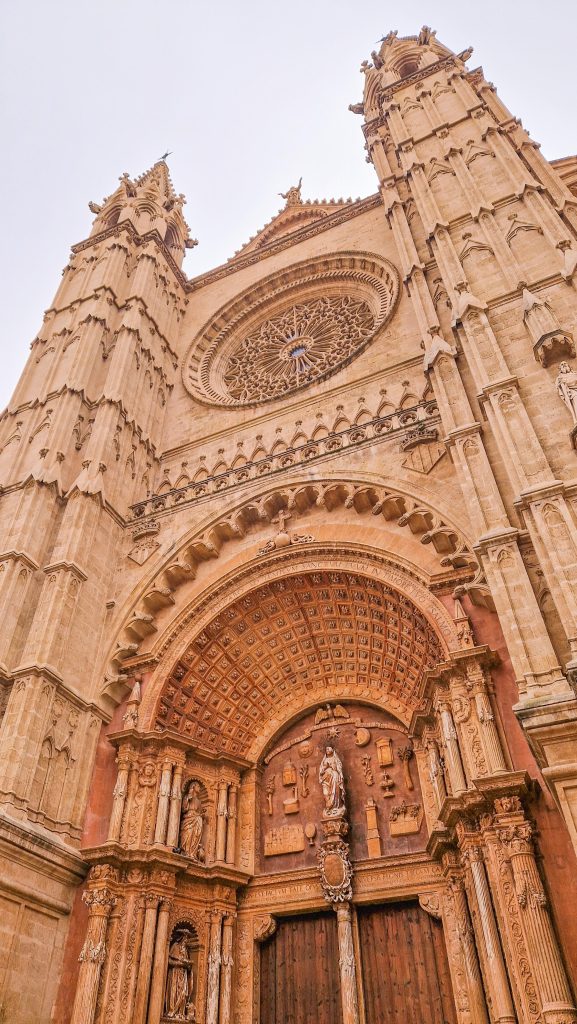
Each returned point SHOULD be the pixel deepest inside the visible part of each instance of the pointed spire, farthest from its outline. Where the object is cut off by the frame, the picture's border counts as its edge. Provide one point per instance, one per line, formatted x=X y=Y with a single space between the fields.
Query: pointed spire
x=464 y=631
x=151 y=204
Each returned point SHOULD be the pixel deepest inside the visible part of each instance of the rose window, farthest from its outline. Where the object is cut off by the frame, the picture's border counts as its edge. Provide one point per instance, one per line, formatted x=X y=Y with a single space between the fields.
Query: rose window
x=291 y=329
x=297 y=347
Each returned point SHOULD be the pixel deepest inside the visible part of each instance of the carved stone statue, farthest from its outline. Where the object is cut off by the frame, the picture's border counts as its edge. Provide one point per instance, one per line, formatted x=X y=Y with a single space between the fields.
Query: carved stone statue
x=293 y=196
x=567 y=387
x=192 y=823
x=332 y=783
x=179 y=980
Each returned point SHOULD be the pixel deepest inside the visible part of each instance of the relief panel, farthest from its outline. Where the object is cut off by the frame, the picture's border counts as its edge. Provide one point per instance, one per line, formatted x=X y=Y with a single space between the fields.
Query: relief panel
x=383 y=793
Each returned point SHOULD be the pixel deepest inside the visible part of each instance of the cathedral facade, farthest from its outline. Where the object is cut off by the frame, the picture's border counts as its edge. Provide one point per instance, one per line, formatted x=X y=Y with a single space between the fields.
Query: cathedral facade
x=289 y=597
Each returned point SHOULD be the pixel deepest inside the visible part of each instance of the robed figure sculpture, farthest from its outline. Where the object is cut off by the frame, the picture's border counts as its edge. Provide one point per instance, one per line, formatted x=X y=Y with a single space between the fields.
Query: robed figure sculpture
x=332 y=783
x=179 y=981
x=192 y=823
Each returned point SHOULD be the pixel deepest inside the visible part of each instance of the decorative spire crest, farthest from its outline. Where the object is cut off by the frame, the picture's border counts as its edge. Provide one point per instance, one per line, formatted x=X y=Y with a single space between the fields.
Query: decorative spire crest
x=293 y=195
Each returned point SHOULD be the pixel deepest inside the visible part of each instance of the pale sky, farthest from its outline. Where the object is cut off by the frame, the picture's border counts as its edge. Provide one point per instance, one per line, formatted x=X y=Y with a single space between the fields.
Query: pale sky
x=249 y=94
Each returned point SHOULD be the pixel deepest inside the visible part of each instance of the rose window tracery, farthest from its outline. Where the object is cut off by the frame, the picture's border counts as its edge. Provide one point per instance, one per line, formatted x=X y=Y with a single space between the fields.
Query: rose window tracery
x=292 y=329
x=296 y=347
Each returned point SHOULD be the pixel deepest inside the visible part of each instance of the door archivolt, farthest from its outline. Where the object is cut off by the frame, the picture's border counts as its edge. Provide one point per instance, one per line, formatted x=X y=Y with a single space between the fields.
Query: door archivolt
x=423 y=534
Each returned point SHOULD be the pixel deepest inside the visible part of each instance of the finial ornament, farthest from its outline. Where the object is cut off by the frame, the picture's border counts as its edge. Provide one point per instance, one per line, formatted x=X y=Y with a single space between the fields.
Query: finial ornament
x=293 y=196
x=168 y=153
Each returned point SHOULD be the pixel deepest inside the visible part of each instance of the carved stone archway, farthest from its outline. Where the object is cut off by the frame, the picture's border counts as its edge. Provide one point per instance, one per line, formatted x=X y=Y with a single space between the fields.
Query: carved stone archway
x=356 y=566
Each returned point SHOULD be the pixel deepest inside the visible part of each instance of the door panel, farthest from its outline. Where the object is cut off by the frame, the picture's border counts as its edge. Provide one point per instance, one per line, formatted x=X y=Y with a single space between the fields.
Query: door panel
x=299 y=975
x=404 y=966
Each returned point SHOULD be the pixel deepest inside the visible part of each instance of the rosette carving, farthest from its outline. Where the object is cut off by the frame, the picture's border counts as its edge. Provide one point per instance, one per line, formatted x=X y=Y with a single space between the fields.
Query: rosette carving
x=295 y=328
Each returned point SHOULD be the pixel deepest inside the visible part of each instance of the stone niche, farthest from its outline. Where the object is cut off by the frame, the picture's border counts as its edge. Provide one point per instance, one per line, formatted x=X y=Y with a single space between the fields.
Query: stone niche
x=381 y=783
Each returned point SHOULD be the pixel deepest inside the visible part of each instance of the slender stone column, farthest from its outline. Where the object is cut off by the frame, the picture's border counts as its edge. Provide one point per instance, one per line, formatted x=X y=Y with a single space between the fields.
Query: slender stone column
x=515 y=833
x=214 y=961
x=175 y=806
x=163 y=803
x=456 y=921
x=496 y=978
x=451 y=742
x=99 y=902
x=155 y=1003
x=490 y=736
x=118 y=805
x=221 y=816
x=145 y=960
x=231 y=830
x=226 y=971
x=348 y=973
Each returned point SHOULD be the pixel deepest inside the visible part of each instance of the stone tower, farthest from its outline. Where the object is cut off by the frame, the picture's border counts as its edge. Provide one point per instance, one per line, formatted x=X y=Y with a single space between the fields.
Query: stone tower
x=289 y=565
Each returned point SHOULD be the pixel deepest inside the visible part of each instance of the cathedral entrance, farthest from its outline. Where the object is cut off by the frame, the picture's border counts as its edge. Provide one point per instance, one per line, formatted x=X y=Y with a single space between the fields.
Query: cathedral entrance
x=403 y=966
x=293 y=788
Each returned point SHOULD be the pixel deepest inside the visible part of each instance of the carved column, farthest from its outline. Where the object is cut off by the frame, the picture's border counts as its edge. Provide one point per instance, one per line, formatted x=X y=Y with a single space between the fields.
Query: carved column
x=99 y=902
x=453 y=754
x=120 y=790
x=214 y=961
x=145 y=961
x=489 y=735
x=226 y=970
x=457 y=926
x=158 y=983
x=163 y=803
x=515 y=833
x=495 y=972
x=348 y=974
x=221 y=816
x=231 y=830
x=175 y=807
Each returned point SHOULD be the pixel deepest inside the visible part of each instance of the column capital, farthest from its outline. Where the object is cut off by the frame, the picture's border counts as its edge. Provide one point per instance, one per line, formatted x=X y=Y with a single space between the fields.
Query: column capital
x=99 y=901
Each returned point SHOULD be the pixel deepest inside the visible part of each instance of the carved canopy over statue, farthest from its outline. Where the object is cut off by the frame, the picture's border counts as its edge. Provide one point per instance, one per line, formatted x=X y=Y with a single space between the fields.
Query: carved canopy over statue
x=180 y=980
x=332 y=783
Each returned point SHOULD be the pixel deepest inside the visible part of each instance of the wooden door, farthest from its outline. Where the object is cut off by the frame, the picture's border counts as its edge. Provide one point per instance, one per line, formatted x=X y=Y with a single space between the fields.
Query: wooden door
x=299 y=972
x=405 y=969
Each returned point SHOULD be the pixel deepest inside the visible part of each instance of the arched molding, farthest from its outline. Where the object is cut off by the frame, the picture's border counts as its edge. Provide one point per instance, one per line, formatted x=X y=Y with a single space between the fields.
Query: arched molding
x=365 y=562
x=185 y=918
x=350 y=496
x=345 y=692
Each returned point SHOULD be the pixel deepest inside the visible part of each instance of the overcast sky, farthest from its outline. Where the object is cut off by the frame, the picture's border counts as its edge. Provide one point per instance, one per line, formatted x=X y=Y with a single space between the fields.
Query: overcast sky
x=249 y=94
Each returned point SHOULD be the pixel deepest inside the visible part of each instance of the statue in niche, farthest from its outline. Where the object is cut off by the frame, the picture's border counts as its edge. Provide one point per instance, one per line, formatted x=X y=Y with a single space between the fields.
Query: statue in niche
x=332 y=783
x=567 y=387
x=192 y=821
x=180 y=979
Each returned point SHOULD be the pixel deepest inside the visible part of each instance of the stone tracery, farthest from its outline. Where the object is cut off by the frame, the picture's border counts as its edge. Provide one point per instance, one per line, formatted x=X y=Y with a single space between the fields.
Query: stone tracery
x=341 y=300
x=296 y=347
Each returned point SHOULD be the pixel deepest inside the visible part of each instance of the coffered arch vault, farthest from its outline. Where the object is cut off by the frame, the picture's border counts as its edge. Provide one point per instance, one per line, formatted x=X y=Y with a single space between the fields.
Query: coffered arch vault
x=293 y=636
x=320 y=624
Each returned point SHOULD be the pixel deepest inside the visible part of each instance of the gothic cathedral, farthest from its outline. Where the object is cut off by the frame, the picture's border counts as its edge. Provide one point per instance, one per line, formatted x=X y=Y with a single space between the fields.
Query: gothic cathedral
x=289 y=597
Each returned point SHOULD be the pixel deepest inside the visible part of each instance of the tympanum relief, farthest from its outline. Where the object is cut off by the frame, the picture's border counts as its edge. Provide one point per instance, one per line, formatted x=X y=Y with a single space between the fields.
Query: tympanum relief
x=340 y=761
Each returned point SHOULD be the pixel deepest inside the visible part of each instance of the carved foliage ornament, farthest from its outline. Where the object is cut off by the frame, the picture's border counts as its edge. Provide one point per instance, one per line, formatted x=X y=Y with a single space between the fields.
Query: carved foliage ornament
x=293 y=329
